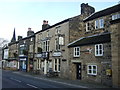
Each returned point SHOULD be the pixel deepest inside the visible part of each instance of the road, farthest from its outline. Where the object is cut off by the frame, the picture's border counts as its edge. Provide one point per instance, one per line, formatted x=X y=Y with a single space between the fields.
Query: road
x=13 y=80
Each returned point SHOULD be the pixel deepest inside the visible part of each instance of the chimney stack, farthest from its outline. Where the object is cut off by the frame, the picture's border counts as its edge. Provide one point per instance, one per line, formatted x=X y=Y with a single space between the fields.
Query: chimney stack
x=19 y=37
x=87 y=9
x=30 y=32
x=29 y=29
x=45 y=24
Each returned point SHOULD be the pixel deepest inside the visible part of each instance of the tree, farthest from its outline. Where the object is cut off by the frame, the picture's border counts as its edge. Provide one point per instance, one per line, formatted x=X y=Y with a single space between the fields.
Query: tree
x=3 y=42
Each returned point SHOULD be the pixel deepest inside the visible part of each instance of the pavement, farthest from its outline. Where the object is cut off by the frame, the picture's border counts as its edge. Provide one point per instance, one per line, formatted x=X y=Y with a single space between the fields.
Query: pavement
x=78 y=83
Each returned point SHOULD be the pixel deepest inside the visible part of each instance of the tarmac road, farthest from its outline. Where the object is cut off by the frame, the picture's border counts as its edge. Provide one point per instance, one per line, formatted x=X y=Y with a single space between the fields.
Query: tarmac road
x=13 y=80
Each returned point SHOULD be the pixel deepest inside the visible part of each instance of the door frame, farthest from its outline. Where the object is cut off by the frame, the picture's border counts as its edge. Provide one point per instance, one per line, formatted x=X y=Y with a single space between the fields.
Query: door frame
x=77 y=71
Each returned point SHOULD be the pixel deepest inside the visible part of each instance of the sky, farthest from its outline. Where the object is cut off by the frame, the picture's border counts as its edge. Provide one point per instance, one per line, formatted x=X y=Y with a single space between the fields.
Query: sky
x=22 y=14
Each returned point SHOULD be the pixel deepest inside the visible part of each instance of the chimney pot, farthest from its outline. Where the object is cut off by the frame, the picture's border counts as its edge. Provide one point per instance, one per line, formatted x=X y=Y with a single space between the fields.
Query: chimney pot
x=29 y=29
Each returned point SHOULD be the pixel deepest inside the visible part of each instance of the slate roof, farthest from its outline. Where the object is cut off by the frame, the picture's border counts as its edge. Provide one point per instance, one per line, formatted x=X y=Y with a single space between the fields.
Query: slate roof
x=104 y=12
x=115 y=21
x=53 y=25
x=89 y=40
x=28 y=37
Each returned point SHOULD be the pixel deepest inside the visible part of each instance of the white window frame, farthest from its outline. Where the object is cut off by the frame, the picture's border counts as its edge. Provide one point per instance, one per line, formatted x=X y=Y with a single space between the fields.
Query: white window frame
x=57 y=65
x=57 y=46
x=61 y=40
x=38 y=64
x=31 y=48
x=98 y=50
x=92 y=70
x=31 y=39
x=99 y=23
x=76 y=51
x=115 y=16
x=47 y=33
x=46 y=47
x=49 y=64
x=88 y=26
x=24 y=42
x=58 y=30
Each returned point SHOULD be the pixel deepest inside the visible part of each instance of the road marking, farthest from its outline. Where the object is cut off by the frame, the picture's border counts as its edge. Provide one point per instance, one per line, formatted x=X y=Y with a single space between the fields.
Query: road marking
x=15 y=80
x=62 y=82
x=79 y=86
x=32 y=86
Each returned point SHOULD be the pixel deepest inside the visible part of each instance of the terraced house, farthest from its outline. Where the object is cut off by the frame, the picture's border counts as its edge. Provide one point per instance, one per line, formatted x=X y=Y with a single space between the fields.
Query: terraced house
x=91 y=55
x=26 y=51
x=83 y=47
x=13 y=53
x=51 y=43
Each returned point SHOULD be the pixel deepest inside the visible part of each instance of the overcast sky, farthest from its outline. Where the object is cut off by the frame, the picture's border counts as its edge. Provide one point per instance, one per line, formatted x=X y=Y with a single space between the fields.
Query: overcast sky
x=31 y=13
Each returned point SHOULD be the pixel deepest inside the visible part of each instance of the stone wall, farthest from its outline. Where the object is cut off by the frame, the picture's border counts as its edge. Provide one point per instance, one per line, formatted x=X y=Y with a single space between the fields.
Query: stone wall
x=88 y=58
x=115 y=42
x=50 y=34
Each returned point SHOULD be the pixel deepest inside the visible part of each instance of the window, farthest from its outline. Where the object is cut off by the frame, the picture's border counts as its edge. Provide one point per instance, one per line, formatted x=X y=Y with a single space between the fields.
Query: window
x=88 y=27
x=42 y=66
x=61 y=40
x=57 y=46
x=116 y=16
x=24 y=42
x=99 y=50
x=76 y=51
x=38 y=64
x=99 y=23
x=92 y=70
x=57 y=65
x=46 y=45
x=47 y=33
x=31 y=48
x=22 y=49
x=49 y=64
x=96 y=24
x=31 y=39
x=55 y=69
x=58 y=30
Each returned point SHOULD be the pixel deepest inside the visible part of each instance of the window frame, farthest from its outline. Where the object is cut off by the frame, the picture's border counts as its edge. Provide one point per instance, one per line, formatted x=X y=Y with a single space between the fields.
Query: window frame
x=31 y=39
x=92 y=70
x=88 y=28
x=57 y=46
x=57 y=64
x=99 y=23
x=46 y=46
x=115 y=16
x=76 y=52
x=98 y=50
x=58 y=30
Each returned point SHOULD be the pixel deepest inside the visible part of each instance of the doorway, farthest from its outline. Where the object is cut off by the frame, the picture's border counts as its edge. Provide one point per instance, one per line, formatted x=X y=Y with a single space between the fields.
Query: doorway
x=78 y=71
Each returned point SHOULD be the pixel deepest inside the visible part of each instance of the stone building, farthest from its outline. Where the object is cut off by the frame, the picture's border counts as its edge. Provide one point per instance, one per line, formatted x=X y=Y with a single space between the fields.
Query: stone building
x=5 y=56
x=50 y=52
x=115 y=45
x=91 y=55
x=13 y=53
x=26 y=51
x=51 y=43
